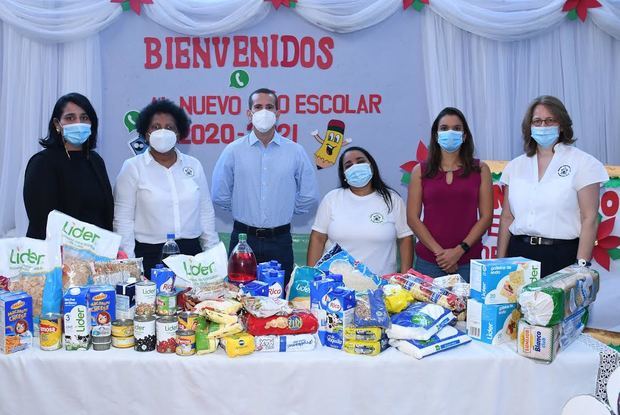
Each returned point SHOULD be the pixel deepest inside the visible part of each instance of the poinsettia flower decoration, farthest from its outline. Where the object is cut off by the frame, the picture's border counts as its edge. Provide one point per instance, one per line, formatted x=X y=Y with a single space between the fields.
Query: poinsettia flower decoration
x=417 y=4
x=134 y=5
x=579 y=8
x=606 y=245
x=285 y=3
x=420 y=155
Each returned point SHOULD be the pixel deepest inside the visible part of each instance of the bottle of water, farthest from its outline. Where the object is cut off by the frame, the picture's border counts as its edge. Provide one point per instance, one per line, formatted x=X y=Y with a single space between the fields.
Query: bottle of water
x=242 y=262
x=170 y=247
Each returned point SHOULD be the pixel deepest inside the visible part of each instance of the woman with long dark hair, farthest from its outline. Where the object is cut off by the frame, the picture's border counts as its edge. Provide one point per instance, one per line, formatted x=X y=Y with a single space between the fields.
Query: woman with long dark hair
x=68 y=175
x=454 y=194
x=364 y=216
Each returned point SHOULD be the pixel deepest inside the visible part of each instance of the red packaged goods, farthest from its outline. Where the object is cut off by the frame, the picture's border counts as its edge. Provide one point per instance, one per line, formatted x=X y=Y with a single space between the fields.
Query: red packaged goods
x=423 y=289
x=298 y=322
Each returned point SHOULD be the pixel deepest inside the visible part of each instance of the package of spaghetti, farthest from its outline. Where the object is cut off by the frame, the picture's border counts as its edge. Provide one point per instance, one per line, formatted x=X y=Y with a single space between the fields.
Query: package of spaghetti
x=447 y=338
x=419 y=321
x=81 y=245
x=550 y=300
x=298 y=322
x=423 y=289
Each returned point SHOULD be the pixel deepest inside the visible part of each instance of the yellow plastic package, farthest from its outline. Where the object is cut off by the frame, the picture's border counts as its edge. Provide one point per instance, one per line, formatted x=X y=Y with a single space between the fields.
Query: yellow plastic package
x=238 y=344
x=365 y=348
x=397 y=298
x=217 y=330
x=218 y=317
x=225 y=306
x=369 y=334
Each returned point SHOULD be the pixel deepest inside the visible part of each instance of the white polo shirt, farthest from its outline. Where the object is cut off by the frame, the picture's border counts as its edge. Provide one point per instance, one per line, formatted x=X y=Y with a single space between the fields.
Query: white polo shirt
x=363 y=226
x=151 y=201
x=549 y=207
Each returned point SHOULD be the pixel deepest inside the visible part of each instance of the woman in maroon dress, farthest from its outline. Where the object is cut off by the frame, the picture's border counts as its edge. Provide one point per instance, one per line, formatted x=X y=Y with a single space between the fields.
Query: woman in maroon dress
x=450 y=203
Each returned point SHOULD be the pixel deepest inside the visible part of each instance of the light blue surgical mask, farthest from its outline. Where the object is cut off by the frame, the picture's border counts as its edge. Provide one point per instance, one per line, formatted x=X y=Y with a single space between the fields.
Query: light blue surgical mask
x=546 y=136
x=358 y=175
x=76 y=134
x=450 y=140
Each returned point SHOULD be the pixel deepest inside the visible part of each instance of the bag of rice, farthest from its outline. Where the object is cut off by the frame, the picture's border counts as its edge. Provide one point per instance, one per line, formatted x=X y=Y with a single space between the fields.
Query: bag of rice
x=419 y=321
x=355 y=275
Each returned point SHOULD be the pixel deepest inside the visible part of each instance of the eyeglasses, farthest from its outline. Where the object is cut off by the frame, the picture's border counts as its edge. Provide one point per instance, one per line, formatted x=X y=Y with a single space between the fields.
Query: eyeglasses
x=537 y=122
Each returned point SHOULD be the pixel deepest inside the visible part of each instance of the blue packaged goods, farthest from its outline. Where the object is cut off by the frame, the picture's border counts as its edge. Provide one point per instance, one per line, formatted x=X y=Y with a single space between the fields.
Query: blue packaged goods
x=419 y=321
x=102 y=304
x=125 y=300
x=285 y=343
x=447 y=338
x=492 y=323
x=572 y=327
x=370 y=310
x=275 y=280
x=499 y=281
x=355 y=275
x=339 y=307
x=318 y=290
x=263 y=266
x=163 y=279
x=255 y=289
x=16 y=325
x=76 y=318
x=298 y=289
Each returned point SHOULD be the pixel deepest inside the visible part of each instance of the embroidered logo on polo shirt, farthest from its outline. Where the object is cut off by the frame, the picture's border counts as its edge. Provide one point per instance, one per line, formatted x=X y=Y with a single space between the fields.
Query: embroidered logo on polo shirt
x=564 y=170
x=188 y=171
x=376 y=217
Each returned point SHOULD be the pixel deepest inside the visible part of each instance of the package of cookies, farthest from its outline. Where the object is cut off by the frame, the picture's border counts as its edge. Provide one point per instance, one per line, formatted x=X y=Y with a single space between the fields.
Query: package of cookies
x=82 y=244
x=492 y=323
x=298 y=322
x=499 y=281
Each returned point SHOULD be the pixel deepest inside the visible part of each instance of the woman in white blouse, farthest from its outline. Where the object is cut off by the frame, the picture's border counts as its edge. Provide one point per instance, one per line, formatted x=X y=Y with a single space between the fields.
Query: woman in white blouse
x=163 y=191
x=551 y=193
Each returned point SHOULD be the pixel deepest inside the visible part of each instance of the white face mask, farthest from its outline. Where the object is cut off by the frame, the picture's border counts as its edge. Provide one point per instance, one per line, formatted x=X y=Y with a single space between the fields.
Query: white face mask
x=263 y=120
x=162 y=140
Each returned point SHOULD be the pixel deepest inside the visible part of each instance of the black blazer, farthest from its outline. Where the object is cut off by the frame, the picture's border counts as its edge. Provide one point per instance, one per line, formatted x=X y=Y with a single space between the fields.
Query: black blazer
x=51 y=182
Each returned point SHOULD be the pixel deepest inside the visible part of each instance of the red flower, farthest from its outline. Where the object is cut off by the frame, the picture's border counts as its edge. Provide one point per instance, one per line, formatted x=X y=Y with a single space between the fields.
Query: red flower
x=134 y=4
x=420 y=155
x=409 y=3
x=285 y=3
x=582 y=7
x=604 y=242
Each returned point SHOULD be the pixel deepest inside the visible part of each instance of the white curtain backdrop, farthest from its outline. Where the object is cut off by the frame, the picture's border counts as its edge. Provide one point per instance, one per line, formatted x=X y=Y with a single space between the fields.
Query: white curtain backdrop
x=487 y=57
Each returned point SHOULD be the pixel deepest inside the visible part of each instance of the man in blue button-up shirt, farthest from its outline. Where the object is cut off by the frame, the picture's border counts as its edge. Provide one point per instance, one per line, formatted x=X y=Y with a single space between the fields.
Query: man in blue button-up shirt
x=264 y=179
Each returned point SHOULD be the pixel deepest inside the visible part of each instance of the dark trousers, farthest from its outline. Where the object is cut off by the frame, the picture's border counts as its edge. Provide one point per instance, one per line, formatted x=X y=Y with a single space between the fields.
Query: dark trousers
x=278 y=247
x=552 y=258
x=151 y=253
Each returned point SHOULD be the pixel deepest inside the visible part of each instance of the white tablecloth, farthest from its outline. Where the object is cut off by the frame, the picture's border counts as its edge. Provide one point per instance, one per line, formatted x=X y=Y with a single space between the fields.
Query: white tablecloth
x=472 y=379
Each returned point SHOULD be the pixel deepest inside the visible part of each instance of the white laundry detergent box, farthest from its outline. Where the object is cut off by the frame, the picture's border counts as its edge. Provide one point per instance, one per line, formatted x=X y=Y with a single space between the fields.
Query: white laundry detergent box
x=499 y=281
x=339 y=306
x=76 y=318
x=492 y=323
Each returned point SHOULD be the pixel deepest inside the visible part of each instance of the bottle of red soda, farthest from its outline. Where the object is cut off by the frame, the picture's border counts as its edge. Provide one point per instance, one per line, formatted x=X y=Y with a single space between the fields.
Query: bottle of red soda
x=242 y=262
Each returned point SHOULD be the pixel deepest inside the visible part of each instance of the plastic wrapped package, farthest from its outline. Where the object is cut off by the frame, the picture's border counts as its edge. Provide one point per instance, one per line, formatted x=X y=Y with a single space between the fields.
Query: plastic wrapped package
x=298 y=289
x=298 y=322
x=370 y=310
x=537 y=342
x=397 y=298
x=447 y=338
x=355 y=275
x=423 y=289
x=81 y=245
x=239 y=344
x=548 y=301
x=117 y=271
x=287 y=343
x=218 y=330
x=219 y=317
x=266 y=306
x=420 y=321
x=369 y=334
x=365 y=347
x=222 y=305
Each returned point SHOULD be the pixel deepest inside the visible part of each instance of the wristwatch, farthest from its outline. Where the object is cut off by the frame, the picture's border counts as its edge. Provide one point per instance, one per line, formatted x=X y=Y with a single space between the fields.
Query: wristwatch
x=464 y=246
x=583 y=263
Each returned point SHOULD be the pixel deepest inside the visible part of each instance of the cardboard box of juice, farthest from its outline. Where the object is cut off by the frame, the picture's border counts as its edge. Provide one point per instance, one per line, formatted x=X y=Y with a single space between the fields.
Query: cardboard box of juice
x=76 y=318
x=492 y=323
x=499 y=281
x=16 y=328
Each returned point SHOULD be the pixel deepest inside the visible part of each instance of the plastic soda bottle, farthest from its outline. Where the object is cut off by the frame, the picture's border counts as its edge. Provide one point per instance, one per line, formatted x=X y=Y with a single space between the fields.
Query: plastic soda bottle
x=242 y=262
x=170 y=247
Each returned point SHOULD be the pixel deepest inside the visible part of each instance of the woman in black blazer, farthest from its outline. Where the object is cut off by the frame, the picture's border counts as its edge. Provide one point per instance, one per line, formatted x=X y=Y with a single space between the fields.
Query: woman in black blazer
x=68 y=175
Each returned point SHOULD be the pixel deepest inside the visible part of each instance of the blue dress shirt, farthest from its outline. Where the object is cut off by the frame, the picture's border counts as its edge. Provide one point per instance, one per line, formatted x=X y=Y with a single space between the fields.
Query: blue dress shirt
x=264 y=186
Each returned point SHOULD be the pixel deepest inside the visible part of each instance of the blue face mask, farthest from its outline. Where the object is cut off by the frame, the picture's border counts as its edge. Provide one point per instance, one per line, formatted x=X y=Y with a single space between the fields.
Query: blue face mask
x=546 y=136
x=358 y=175
x=450 y=140
x=76 y=134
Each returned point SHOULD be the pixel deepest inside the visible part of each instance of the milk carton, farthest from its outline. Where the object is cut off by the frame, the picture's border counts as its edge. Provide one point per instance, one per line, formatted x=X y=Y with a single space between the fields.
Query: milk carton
x=102 y=305
x=163 y=279
x=77 y=318
x=499 y=281
x=16 y=329
x=339 y=307
x=255 y=289
x=492 y=323
x=275 y=279
x=318 y=289
x=126 y=300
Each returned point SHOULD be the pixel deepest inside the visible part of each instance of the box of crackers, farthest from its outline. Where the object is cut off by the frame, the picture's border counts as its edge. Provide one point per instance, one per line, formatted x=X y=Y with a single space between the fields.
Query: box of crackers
x=499 y=281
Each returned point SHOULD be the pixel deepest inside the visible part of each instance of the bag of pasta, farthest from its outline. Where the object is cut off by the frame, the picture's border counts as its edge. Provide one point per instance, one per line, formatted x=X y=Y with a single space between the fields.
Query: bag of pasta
x=81 y=245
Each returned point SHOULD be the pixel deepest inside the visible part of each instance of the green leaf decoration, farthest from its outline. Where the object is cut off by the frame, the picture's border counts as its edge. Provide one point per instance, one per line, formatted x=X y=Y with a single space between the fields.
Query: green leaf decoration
x=406 y=178
x=418 y=5
x=572 y=15
x=614 y=254
x=126 y=6
x=613 y=182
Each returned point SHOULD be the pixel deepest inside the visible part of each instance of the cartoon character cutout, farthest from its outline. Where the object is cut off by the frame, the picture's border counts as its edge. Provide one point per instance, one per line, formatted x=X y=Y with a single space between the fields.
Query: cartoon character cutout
x=103 y=318
x=331 y=145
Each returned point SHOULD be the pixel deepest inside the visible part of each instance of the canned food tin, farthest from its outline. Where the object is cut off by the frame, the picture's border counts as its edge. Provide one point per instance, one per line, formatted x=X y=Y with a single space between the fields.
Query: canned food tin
x=166 y=304
x=122 y=328
x=50 y=331
x=144 y=332
x=123 y=342
x=101 y=344
x=187 y=320
x=186 y=342
x=166 y=334
x=145 y=298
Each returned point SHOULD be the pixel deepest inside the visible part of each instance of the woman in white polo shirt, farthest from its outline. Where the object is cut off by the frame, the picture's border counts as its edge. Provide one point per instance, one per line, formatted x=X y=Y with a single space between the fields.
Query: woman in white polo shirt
x=364 y=216
x=551 y=192
x=163 y=191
